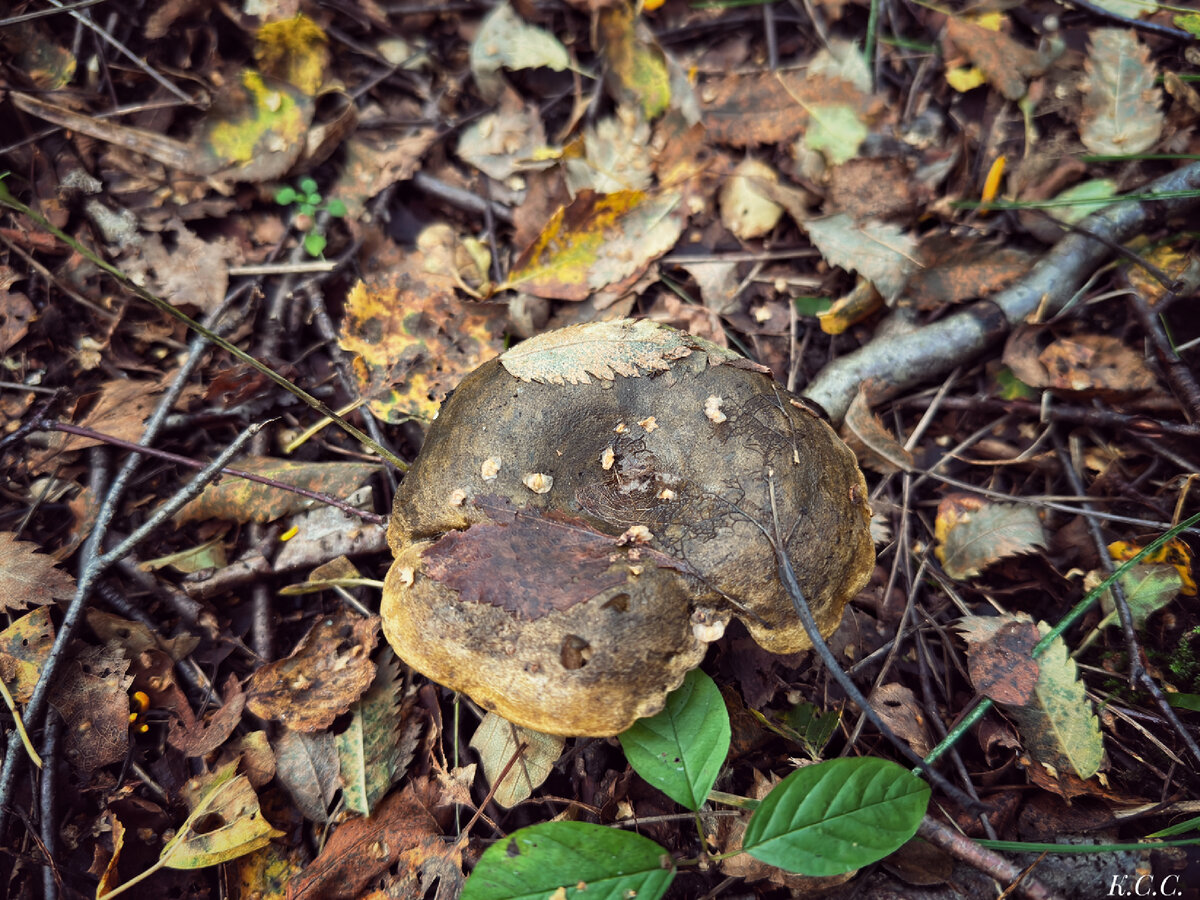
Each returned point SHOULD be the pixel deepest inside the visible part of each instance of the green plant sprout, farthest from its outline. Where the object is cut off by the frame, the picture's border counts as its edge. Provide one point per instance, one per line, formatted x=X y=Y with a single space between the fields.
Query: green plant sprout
x=308 y=202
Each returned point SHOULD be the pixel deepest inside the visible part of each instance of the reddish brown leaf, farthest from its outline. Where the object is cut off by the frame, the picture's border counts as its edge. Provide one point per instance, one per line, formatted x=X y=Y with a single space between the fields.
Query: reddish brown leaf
x=29 y=578
x=329 y=669
x=401 y=834
x=1007 y=63
x=1002 y=666
x=199 y=737
x=767 y=108
x=530 y=567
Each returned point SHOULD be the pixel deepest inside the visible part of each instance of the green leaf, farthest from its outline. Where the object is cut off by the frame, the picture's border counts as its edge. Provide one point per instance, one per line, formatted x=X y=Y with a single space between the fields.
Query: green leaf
x=681 y=750
x=286 y=195
x=335 y=208
x=1148 y=588
x=307 y=184
x=836 y=131
x=837 y=816
x=314 y=243
x=574 y=859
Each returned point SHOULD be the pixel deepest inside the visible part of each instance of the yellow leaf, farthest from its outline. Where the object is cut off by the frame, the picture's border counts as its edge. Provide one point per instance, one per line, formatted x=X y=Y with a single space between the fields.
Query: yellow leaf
x=259 y=127
x=597 y=241
x=225 y=824
x=637 y=68
x=294 y=50
x=965 y=78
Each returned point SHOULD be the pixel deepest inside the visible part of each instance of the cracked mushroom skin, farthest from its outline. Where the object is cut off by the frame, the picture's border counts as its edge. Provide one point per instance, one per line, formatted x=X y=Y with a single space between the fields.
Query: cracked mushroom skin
x=658 y=471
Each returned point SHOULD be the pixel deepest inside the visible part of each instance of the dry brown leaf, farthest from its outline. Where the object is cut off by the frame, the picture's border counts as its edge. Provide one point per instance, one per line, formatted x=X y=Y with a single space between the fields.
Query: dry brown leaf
x=29 y=577
x=1007 y=63
x=319 y=680
x=773 y=107
x=1083 y=365
x=90 y=695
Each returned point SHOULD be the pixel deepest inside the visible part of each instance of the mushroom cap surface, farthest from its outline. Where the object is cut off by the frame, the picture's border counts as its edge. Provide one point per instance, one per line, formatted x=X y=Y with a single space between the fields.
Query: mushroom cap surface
x=565 y=551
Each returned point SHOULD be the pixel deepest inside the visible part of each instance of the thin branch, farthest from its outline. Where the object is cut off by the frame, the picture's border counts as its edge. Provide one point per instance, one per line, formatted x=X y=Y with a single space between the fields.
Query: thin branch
x=899 y=359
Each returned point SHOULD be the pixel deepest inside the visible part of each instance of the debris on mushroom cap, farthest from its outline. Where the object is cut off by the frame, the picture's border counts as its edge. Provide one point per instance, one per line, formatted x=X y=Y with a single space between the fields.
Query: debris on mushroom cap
x=581 y=634
x=538 y=482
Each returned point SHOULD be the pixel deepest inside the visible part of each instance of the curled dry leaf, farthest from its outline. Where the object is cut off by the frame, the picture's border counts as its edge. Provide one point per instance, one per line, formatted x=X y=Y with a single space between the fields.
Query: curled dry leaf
x=1083 y=365
x=321 y=678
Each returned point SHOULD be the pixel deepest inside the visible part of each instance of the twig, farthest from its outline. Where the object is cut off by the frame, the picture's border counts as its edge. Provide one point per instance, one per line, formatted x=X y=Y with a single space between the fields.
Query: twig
x=1183 y=383
x=42 y=13
x=787 y=577
x=901 y=360
x=987 y=861
x=1155 y=28
x=1138 y=676
x=319 y=496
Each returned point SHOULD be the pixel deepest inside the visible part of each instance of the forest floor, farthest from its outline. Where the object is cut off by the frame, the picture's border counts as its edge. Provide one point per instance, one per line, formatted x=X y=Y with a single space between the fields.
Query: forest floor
x=965 y=233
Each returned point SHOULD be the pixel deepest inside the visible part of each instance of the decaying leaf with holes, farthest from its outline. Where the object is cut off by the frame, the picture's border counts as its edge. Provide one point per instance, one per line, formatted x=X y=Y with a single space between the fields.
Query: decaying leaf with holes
x=327 y=672
x=591 y=509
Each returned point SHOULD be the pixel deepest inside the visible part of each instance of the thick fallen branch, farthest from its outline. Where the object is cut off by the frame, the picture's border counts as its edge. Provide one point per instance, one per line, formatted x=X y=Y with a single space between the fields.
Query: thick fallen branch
x=899 y=358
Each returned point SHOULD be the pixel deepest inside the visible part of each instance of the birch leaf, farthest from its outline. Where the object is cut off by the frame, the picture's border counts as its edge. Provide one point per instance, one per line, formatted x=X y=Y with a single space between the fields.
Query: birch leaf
x=1121 y=113
x=1060 y=729
x=600 y=349
x=876 y=250
x=973 y=533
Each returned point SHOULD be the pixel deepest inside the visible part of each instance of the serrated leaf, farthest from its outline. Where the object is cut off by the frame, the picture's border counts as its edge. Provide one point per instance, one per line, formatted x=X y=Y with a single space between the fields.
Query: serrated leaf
x=837 y=816
x=225 y=824
x=560 y=859
x=1148 y=588
x=598 y=241
x=238 y=500
x=1060 y=729
x=601 y=349
x=370 y=750
x=681 y=749
x=506 y=41
x=496 y=740
x=973 y=533
x=1121 y=113
x=876 y=250
x=28 y=577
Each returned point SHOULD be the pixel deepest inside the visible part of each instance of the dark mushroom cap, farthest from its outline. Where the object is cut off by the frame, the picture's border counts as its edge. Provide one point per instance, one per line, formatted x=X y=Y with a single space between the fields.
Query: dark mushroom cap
x=660 y=483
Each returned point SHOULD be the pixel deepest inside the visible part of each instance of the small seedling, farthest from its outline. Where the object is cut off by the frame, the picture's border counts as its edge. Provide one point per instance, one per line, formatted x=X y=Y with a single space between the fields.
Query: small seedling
x=308 y=201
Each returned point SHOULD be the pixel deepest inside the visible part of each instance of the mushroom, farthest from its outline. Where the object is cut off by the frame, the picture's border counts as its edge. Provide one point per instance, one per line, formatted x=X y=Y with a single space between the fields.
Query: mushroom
x=575 y=605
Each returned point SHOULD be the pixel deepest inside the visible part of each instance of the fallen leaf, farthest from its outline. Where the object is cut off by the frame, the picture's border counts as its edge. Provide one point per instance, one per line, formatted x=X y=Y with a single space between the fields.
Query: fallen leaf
x=614 y=156
x=1006 y=63
x=24 y=646
x=898 y=707
x=1121 y=112
x=16 y=314
x=307 y=766
x=768 y=108
x=874 y=445
x=636 y=74
x=1083 y=365
x=371 y=754
x=321 y=678
x=506 y=41
x=497 y=741
x=1000 y=656
x=597 y=241
x=193 y=273
x=876 y=250
x=225 y=823
x=200 y=737
x=90 y=695
x=603 y=350
x=504 y=142
x=238 y=500
x=401 y=835
x=973 y=533
x=414 y=340
x=29 y=577
x=747 y=209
